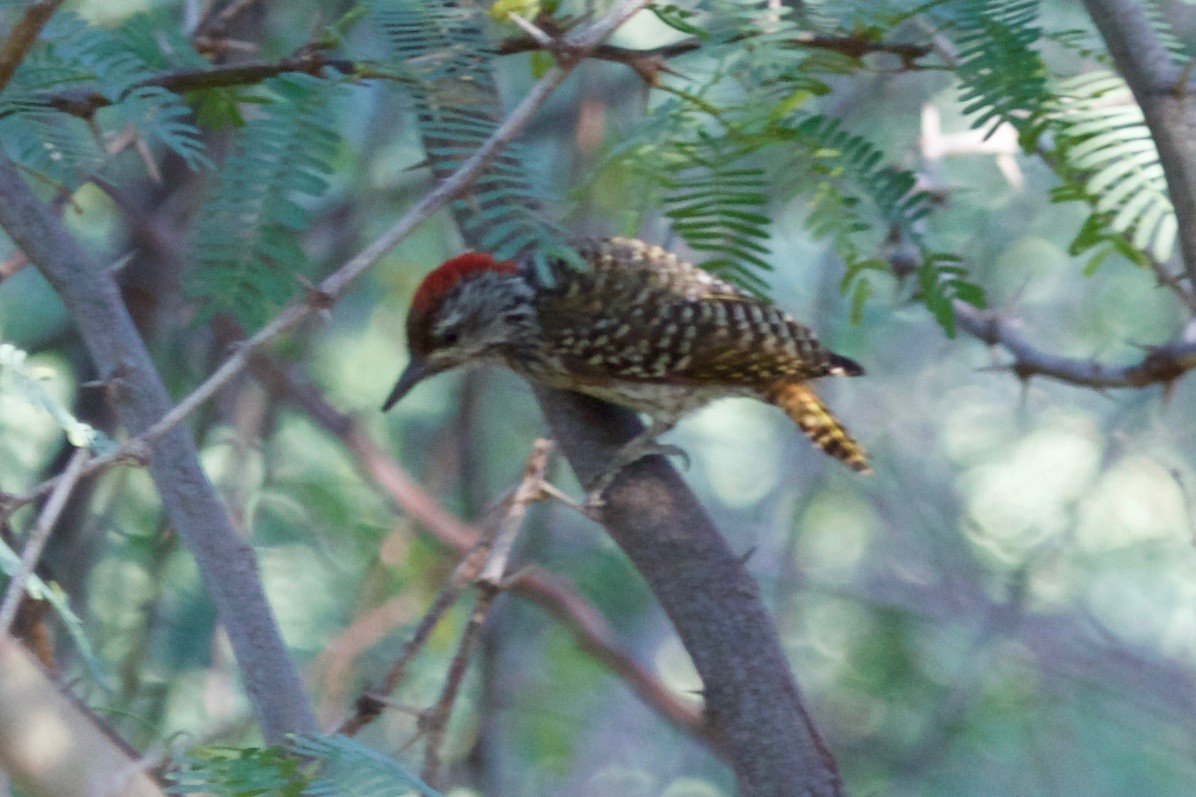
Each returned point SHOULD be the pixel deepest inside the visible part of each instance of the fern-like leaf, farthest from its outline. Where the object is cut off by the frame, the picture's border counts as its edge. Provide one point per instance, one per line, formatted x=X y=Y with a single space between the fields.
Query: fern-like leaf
x=441 y=48
x=1107 y=158
x=248 y=243
x=348 y=769
x=851 y=164
x=72 y=52
x=715 y=200
x=239 y=772
x=1003 y=78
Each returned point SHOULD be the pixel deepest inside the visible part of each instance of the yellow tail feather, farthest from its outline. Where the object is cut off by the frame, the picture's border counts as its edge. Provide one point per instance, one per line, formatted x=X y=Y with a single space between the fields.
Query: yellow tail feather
x=802 y=405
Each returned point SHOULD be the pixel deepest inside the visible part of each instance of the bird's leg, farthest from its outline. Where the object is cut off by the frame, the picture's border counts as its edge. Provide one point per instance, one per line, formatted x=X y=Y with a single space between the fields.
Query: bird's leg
x=642 y=445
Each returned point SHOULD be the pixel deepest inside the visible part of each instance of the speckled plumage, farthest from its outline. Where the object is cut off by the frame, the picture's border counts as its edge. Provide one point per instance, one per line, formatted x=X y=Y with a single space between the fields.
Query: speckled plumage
x=641 y=328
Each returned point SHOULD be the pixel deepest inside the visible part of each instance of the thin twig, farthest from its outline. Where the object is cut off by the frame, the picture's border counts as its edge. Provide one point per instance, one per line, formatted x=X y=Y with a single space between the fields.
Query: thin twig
x=24 y=34
x=490 y=584
x=471 y=567
x=38 y=536
x=559 y=600
x=528 y=491
x=436 y=720
x=1161 y=365
x=527 y=26
x=310 y=60
x=228 y=14
x=370 y=704
x=83 y=103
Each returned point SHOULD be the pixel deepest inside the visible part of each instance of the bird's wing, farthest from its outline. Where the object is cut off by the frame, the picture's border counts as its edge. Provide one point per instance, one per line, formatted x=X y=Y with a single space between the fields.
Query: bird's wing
x=645 y=315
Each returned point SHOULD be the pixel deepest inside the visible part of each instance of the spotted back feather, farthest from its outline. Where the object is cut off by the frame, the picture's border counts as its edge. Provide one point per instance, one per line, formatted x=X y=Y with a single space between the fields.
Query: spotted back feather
x=642 y=313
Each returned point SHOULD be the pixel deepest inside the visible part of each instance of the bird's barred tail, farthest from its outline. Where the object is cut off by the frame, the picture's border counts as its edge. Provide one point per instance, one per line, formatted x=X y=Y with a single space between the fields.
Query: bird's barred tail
x=802 y=405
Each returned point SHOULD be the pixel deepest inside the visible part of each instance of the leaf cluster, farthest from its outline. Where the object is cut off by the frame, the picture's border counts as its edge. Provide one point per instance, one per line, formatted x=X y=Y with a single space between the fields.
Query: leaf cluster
x=446 y=62
x=308 y=766
x=741 y=117
x=1085 y=126
x=117 y=64
x=248 y=235
x=742 y=120
x=737 y=129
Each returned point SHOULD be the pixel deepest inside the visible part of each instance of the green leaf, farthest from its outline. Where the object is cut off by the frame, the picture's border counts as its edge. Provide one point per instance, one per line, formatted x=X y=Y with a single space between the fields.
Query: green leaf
x=859 y=295
x=248 y=234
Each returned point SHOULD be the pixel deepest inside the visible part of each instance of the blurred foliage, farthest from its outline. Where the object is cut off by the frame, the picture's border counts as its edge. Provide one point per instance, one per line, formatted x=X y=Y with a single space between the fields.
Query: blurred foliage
x=1004 y=609
x=327 y=766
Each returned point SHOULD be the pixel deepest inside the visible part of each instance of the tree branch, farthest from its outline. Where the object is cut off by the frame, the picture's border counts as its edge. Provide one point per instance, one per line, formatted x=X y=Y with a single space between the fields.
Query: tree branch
x=558 y=600
x=227 y=564
x=36 y=539
x=1160 y=87
x=754 y=710
x=84 y=102
x=853 y=46
x=311 y=60
x=1161 y=365
x=490 y=582
x=23 y=35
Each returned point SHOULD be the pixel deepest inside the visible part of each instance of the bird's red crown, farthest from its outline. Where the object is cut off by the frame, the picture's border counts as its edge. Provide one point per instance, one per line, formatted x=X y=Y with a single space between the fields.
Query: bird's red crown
x=451 y=272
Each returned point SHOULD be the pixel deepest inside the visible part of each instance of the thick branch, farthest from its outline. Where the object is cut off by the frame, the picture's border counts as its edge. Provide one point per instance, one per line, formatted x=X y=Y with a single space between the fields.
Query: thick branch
x=753 y=707
x=226 y=562
x=1161 y=365
x=1160 y=87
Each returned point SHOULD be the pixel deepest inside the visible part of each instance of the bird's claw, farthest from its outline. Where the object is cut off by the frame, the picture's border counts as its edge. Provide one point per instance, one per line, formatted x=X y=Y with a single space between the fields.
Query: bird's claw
x=667 y=450
x=598 y=485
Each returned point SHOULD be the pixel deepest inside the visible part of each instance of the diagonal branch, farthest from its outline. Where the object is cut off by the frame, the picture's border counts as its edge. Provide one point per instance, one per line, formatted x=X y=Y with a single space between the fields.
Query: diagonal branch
x=589 y=628
x=23 y=35
x=226 y=563
x=37 y=538
x=755 y=712
x=1161 y=365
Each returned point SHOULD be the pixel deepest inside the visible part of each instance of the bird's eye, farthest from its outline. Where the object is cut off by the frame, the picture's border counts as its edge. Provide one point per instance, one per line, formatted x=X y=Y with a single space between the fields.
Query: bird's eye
x=450 y=338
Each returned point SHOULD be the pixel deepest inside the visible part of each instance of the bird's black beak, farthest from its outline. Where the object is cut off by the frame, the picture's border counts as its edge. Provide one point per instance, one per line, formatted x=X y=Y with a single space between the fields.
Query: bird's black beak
x=416 y=371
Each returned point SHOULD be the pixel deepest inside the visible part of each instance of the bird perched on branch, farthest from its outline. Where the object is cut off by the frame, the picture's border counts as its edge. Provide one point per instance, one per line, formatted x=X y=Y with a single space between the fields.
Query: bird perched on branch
x=639 y=327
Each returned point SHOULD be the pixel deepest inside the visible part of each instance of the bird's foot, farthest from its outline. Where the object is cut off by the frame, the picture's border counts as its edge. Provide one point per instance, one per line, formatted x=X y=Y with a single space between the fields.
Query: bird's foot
x=631 y=453
x=667 y=450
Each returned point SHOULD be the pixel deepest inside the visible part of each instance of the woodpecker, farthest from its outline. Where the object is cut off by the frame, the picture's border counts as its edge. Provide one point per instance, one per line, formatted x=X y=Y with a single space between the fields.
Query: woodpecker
x=640 y=327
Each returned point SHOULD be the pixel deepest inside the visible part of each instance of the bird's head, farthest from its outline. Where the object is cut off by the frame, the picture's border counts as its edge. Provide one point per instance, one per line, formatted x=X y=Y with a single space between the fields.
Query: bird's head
x=460 y=313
